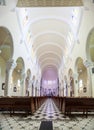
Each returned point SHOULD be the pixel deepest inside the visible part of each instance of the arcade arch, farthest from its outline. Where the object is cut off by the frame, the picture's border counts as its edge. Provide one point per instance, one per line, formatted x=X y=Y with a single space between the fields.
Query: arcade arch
x=6 y=54
x=18 y=77
x=82 y=77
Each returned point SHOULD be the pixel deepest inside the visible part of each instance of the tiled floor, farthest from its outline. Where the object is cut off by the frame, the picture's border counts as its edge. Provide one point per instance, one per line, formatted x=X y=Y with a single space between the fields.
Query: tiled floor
x=48 y=111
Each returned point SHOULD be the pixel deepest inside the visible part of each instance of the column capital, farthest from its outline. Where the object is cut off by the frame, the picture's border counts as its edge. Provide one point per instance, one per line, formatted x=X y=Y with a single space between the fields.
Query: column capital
x=11 y=64
x=88 y=63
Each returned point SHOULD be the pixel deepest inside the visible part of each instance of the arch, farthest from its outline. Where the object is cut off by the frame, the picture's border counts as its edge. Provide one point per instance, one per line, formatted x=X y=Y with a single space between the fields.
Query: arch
x=50 y=60
x=70 y=72
x=18 y=76
x=81 y=71
x=48 y=48
x=90 y=45
x=51 y=37
x=64 y=21
x=28 y=73
x=6 y=53
x=6 y=43
x=47 y=56
x=37 y=47
x=79 y=65
x=47 y=65
x=49 y=52
x=38 y=19
x=20 y=64
x=51 y=33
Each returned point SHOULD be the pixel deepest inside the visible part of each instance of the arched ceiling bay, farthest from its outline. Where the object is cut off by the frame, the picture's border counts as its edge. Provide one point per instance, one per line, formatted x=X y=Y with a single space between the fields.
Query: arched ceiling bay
x=51 y=48
x=52 y=23
x=50 y=60
x=47 y=66
x=55 y=38
x=47 y=56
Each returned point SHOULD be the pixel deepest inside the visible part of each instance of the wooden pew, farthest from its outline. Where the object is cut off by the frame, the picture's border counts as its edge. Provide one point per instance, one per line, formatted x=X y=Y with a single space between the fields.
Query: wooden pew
x=6 y=104
x=20 y=103
x=79 y=104
x=58 y=101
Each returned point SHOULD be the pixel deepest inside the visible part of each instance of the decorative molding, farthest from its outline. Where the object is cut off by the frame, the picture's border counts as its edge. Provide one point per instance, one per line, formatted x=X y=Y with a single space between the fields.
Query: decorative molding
x=49 y=3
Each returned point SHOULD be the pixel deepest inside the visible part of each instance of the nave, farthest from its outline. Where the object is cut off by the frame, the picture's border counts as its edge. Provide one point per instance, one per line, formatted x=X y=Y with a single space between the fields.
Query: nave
x=47 y=112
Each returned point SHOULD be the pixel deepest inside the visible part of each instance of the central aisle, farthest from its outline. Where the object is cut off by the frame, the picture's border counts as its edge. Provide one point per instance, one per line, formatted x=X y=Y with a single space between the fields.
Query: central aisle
x=48 y=111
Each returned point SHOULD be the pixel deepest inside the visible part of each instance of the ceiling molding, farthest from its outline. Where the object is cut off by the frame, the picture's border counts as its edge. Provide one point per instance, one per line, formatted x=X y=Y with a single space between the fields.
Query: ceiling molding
x=50 y=60
x=49 y=67
x=49 y=3
x=49 y=55
x=49 y=52
x=52 y=48
x=61 y=47
x=45 y=66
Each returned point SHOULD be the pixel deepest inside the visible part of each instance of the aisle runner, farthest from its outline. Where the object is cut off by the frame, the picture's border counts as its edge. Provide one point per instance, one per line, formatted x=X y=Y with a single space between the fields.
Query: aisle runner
x=46 y=125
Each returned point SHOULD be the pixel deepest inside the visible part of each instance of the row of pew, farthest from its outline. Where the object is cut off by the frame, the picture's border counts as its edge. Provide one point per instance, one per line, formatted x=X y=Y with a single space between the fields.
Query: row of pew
x=21 y=104
x=69 y=105
x=29 y=105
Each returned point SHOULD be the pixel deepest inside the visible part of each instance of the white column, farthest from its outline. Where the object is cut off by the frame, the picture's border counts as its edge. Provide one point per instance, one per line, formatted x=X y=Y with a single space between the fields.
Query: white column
x=92 y=84
x=75 y=85
x=89 y=65
x=10 y=65
x=23 y=85
x=91 y=80
x=0 y=83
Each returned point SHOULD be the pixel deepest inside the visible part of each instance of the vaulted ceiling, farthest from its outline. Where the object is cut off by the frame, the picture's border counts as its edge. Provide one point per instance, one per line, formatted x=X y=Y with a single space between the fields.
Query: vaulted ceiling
x=53 y=32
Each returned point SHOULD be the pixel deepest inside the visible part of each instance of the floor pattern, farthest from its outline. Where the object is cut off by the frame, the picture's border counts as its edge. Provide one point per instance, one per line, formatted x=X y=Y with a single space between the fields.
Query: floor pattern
x=47 y=112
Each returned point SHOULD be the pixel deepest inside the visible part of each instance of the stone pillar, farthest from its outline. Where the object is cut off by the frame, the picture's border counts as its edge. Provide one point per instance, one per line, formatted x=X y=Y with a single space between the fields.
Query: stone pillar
x=89 y=65
x=10 y=65
x=75 y=76
x=92 y=80
x=89 y=82
x=23 y=89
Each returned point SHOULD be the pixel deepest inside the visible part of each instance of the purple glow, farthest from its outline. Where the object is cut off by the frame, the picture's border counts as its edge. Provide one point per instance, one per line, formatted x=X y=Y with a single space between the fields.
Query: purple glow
x=50 y=83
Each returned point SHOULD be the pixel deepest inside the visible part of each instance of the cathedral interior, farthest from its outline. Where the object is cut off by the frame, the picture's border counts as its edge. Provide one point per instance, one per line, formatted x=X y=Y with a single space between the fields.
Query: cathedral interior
x=46 y=64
